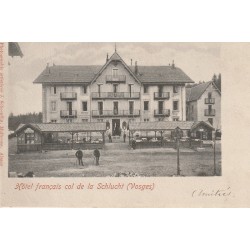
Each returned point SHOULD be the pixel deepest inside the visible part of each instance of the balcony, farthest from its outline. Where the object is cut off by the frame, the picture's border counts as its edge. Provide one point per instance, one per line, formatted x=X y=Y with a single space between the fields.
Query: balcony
x=68 y=114
x=112 y=113
x=162 y=112
x=68 y=96
x=209 y=112
x=209 y=100
x=161 y=95
x=115 y=79
x=112 y=95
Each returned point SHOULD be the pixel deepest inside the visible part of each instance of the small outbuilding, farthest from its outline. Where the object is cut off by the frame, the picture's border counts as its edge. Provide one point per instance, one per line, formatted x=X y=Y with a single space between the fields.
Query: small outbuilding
x=59 y=136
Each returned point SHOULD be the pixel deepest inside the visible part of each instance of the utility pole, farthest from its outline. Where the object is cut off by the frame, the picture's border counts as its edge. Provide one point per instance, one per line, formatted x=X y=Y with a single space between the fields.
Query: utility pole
x=214 y=153
x=178 y=136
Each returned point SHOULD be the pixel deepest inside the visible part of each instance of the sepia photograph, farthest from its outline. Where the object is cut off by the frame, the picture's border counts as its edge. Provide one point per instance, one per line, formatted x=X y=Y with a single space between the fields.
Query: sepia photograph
x=114 y=109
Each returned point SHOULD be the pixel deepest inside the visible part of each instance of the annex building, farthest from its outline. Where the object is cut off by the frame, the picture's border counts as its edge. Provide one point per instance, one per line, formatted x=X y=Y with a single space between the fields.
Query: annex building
x=114 y=93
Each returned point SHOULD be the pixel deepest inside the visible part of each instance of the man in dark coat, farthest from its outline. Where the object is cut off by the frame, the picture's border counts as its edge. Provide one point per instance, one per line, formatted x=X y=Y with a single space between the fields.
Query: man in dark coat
x=79 y=156
x=97 y=156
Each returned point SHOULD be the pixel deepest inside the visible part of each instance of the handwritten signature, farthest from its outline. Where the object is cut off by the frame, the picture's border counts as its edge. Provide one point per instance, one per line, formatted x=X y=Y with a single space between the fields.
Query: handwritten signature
x=212 y=193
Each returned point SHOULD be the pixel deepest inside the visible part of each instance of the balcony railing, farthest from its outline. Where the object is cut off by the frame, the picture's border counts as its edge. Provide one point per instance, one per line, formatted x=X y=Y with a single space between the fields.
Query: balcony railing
x=209 y=112
x=118 y=78
x=119 y=95
x=102 y=113
x=162 y=112
x=68 y=114
x=68 y=96
x=161 y=95
x=209 y=100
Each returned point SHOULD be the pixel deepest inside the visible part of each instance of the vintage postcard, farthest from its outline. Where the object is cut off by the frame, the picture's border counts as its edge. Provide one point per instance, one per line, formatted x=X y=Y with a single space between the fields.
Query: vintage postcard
x=124 y=124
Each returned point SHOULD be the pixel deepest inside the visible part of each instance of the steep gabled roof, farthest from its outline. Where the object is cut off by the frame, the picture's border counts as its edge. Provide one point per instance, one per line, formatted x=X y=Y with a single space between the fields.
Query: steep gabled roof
x=161 y=74
x=89 y=73
x=68 y=74
x=115 y=57
x=195 y=92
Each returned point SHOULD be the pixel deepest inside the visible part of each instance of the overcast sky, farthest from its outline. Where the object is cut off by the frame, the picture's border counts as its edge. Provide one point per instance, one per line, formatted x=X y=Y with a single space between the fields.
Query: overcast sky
x=198 y=60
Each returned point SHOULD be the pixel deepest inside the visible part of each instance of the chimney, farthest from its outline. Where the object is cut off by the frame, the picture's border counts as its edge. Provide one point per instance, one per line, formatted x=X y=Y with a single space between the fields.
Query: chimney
x=131 y=62
x=107 y=57
x=173 y=65
x=136 y=68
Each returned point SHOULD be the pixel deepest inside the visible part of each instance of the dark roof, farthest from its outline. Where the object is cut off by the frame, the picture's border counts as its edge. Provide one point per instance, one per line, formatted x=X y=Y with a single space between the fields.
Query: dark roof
x=194 y=93
x=65 y=127
x=68 y=74
x=14 y=49
x=161 y=74
x=158 y=126
x=88 y=74
x=115 y=57
x=167 y=125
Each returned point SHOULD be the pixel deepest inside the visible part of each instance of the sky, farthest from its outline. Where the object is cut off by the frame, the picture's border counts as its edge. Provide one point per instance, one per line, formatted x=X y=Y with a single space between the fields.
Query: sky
x=198 y=60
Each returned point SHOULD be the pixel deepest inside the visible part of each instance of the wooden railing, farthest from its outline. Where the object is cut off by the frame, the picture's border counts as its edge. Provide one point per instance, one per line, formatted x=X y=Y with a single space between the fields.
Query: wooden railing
x=118 y=78
x=68 y=96
x=162 y=112
x=161 y=95
x=68 y=114
x=101 y=113
x=119 y=95
x=209 y=100
x=209 y=112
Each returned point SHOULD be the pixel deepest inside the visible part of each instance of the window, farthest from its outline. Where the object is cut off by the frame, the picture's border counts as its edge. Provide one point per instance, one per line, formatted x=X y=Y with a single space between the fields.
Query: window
x=210 y=108
x=53 y=106
x=100 y=108
x=192 y=108
x=146 y=120
x=209 y=95
x=84 y=106
x=146 y=105
x=53 y=90
x=84 y=89
x=176 y=105
x=99 y=89
x=30 y=138
x=210 y=120
x=115 y=108
x=175 y=89
x=84 y=120
x=131 y=108
x=53 y=121
x=115 y=72
x=115 y=88
x=145 y=89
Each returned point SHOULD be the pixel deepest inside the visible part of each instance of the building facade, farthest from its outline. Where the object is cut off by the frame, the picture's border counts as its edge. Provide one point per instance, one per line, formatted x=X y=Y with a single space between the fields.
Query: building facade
x=204 y=104
x=114 y=93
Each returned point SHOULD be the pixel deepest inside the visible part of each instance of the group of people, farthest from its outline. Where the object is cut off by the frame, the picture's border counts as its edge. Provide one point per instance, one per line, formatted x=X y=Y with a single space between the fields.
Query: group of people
x=110 y=136
x=79 y=156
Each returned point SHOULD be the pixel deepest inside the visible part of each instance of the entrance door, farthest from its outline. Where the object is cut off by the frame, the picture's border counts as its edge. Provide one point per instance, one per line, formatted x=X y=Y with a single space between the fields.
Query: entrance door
x=69 y=108
x=116 y=127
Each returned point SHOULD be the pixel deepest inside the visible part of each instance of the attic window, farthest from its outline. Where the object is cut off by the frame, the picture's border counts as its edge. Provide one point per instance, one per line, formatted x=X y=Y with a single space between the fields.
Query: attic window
x=115 y=72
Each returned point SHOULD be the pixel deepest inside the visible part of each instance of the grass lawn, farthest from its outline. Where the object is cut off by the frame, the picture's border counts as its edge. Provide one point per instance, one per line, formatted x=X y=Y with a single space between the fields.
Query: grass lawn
x=144 y=162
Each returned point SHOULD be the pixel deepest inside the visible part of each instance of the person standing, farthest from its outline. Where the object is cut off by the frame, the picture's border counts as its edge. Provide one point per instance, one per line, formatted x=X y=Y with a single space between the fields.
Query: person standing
x=124 y=136
x=79 y=155
x=97 y=156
